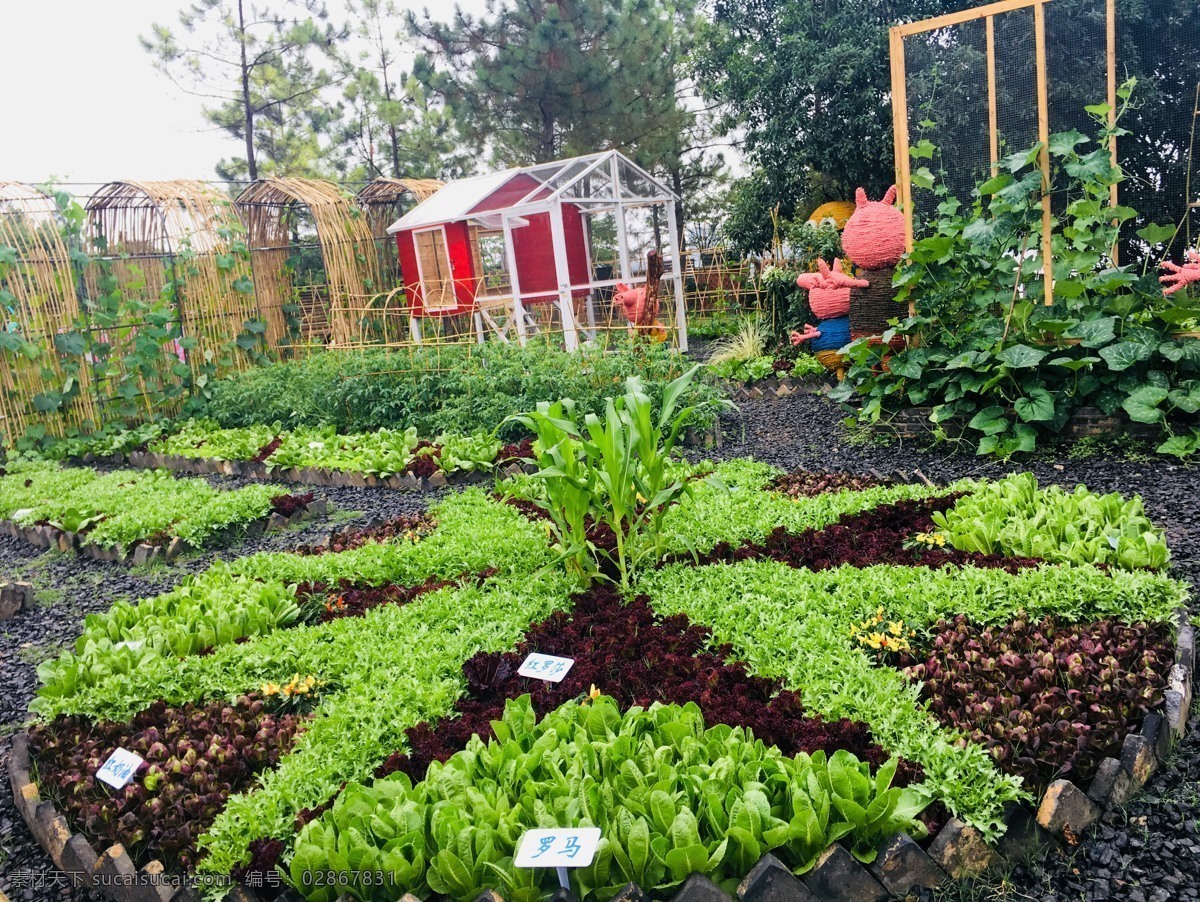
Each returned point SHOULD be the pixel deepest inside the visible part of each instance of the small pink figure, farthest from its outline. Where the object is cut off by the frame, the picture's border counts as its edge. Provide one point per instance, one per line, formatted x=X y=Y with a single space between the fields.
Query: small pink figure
x=829 y=289
x=1178 y=276
x=632 y=300
x=874 y=235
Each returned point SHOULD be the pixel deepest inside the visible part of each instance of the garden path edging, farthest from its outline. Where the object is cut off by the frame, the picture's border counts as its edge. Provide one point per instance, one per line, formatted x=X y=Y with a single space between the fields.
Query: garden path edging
x=773 y=388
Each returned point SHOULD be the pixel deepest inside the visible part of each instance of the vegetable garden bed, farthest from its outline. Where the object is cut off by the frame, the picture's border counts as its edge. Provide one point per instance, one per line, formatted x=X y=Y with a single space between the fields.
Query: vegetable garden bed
x=136 y=515
x=934 y=674
x=386 y=458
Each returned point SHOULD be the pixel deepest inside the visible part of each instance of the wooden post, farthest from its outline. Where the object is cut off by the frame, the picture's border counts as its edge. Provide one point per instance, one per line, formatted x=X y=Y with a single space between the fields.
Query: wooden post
x=1043 y=101
x=518 y=308
x=900 y=129
x=677 y=277
x=993 y=126
x=562 y=273
x=1111 y=66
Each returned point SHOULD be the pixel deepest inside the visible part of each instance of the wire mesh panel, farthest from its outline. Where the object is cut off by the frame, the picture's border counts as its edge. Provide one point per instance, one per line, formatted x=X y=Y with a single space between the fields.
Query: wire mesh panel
x=38 y=303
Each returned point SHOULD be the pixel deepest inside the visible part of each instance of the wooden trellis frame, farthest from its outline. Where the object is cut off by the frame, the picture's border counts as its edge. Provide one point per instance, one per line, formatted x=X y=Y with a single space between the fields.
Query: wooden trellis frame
x=988 y=14
x=269 y=208
x=44 y=304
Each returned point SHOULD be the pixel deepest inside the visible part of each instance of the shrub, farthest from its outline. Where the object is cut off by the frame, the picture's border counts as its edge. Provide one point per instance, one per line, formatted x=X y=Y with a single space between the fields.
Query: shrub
x=615 y=470
x=448 y=389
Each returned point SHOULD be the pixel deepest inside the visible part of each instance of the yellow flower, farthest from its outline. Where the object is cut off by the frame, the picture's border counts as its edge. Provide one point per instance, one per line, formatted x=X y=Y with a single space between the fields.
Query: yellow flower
x=593 y=693
x=896 y=628
x=270 y=689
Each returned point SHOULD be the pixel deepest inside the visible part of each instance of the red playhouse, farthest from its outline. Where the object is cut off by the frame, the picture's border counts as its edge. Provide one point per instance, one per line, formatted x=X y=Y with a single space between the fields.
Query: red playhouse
x=537 y=247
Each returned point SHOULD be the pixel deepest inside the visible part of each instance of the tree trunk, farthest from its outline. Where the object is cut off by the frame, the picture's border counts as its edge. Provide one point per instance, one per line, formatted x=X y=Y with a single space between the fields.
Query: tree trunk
x=393 y=135
x=247 y=108
x=547 y=137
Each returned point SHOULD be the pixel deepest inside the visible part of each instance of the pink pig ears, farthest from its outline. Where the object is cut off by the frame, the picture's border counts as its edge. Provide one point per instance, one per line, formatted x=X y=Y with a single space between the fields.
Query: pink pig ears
x=861 y=199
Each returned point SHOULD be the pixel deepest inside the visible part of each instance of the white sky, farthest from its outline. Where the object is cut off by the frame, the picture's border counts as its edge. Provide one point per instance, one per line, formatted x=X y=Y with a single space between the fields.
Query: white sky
x=83 y=103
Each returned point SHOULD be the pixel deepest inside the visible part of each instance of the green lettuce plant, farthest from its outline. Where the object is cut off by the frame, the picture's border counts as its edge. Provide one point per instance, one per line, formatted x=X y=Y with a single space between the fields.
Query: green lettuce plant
x=671 y=798
x=1016 y=518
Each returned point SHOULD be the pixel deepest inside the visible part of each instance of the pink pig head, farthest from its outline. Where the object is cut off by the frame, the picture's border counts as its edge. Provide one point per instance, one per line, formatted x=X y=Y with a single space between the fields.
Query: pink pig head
x=632 y=300
x=874 y=235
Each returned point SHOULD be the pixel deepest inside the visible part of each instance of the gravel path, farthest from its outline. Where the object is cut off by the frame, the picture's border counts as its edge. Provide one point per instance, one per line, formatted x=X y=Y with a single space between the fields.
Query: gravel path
x=1150 y=852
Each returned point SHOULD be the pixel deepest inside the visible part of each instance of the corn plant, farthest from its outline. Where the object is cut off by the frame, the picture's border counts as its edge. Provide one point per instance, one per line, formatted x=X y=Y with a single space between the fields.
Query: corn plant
x=614 y=470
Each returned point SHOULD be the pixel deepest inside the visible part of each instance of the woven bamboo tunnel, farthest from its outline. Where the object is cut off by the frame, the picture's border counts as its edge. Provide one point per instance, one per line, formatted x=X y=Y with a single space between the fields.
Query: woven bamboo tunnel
x=291 y=221
x=180 y=231
x=43 y=304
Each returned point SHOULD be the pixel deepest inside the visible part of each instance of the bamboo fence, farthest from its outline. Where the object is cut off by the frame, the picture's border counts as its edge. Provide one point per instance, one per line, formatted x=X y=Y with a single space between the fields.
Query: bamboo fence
x=43 y=304
x=182 y=232
x=276 y=211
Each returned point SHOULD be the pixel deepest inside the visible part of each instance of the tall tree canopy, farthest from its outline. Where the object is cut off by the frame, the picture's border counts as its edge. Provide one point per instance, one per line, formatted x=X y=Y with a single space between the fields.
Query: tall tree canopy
x=259 y=69
x=388 y=123
x=809 y=83
x=538 y=80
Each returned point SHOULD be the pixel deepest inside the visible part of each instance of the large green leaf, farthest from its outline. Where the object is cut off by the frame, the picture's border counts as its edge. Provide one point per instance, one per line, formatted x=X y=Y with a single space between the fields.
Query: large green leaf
x=1094 y=333
x=1124 y=354
x=1036 y=406
x=1021 y=356
x=1142 y=404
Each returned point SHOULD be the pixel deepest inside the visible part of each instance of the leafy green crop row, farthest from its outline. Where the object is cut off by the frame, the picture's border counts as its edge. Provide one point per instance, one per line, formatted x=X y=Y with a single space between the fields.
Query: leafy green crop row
x=449 y=389
x=1016 y=518
x=795 y=625
x=126 y=506
x=734 y=507
x=671 y=799
x=256 y=595
x=396 y=667
x=383 y=452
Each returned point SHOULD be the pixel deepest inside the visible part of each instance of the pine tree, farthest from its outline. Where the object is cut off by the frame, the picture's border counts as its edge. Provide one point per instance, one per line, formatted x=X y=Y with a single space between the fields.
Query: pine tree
x=388 y=124
x=258 y=69
x=539 y=80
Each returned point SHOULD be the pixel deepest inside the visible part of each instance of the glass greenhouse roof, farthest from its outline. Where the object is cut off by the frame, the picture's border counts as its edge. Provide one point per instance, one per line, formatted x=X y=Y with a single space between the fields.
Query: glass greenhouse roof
x=599 y=178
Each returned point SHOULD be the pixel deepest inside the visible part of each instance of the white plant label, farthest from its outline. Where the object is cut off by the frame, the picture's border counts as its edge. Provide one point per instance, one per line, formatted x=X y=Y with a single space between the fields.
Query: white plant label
x=119 y=769
x=545 y=667
x=131 y=644
x=561 y=848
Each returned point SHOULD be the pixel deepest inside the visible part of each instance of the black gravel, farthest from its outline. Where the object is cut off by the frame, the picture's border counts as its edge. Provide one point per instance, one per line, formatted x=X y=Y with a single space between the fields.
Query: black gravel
x=1149 y=852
